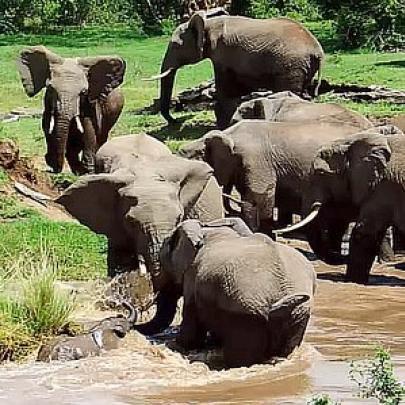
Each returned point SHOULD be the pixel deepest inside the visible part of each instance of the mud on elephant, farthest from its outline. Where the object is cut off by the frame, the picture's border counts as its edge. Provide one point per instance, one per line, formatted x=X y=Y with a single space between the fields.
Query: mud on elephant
x=137 y=205
x=256 y=303
x=362 y=179
x=81 y=103
x=247 y=54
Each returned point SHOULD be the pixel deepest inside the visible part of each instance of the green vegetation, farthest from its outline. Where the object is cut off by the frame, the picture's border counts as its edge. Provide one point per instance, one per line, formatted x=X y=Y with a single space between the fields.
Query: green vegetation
x=79 y=253
x=375 y=378
x=31 y=307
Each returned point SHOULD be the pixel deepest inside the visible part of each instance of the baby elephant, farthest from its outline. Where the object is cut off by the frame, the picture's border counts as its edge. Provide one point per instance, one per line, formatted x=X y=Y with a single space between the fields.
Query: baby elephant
x=106 y=335
x=252 y=294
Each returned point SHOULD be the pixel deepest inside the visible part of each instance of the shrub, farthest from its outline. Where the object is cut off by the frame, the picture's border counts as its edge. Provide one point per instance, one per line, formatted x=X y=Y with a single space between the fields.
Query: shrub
x=31 y=307
x=375 y=378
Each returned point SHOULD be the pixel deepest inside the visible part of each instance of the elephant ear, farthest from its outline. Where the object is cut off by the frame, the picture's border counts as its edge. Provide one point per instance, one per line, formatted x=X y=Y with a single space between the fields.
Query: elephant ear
x=180 y=249
x=331 y=159
x=104 y=73
x=34 y=65
x=368 y=158
x=197 y=25
x=93 y=200
x=193 y=183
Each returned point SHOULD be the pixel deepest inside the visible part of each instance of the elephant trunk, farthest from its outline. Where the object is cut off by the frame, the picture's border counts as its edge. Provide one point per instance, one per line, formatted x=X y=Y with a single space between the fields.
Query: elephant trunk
x=166 y=87
x=168 y=294
x=57 y=143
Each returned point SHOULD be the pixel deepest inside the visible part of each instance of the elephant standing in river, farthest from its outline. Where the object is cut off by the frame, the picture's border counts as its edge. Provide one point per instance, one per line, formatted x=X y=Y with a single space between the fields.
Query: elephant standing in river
x=363 y=178
x=267 y=162
x=252 y=294
x=137 y=204
x=247 y=54
x=82 y=103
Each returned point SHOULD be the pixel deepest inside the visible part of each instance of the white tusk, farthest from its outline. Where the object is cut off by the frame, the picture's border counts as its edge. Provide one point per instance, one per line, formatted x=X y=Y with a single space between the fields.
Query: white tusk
x=51 y=124
x=235 y=200
x=312 y=215
x=157 y=77
x=142 y=268
x=79 y=124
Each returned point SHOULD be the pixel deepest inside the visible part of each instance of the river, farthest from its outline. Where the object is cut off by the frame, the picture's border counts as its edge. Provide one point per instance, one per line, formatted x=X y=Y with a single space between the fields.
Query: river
x=347 y=322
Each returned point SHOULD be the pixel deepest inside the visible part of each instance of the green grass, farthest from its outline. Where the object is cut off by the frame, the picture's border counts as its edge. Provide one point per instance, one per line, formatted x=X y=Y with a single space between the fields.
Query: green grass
x=80 y=254
x=31 y=307
x=144 y=55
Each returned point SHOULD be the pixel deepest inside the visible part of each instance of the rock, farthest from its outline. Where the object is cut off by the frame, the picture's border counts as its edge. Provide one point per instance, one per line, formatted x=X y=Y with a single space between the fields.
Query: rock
x=9 y=153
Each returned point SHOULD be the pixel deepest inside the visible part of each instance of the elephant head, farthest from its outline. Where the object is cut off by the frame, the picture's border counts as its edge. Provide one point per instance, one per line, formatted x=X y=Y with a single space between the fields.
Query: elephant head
x=137 y=209
x=344 y=173
x=180 y=249
x=71 y=83
x=187 y=46
x=217 y=149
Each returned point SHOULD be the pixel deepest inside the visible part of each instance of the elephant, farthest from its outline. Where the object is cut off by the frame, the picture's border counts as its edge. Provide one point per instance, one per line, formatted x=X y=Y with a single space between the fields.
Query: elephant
x=268 y=163
x=105 y=335
x=137 y=205
x=82 y=103
x=116 y=151
x=253 y=295
x=364 y=175
x=287 y=107
x=247 y=54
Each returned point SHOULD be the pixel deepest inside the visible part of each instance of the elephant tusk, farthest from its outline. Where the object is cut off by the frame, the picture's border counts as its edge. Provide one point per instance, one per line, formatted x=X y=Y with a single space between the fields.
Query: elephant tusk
x=312 y=215
x=79 y=124
x=157 y=77
x=51 y=124
x=142 y=268
x=235 y=200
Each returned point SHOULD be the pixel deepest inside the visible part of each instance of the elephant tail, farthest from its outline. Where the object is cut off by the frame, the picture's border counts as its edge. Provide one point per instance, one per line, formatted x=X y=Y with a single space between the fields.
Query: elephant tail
x=286 y=305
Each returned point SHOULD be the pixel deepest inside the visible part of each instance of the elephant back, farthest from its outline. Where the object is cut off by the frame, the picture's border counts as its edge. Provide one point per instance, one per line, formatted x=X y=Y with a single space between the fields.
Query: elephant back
x=209 y=205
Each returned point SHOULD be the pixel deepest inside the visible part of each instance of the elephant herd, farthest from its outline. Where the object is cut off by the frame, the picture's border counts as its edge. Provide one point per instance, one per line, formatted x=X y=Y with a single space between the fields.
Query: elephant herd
x=175 y=213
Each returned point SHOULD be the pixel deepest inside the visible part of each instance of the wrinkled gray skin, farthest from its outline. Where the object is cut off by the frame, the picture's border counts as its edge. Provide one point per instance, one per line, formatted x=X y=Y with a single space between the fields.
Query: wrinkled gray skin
x=267 y=162
x=367 y=173
x=106 y=335
x=247 y=54
x=256 y=303
x=81 y=104
x=136 y=205
x=287 y=107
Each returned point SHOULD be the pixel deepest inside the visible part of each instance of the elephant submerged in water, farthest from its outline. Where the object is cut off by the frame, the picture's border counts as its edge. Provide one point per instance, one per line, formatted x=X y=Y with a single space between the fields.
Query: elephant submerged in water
x=247 y=54
x=361 y=178
x=137 y=203
x=252 y=294
x=81 y=103
x=105 y=335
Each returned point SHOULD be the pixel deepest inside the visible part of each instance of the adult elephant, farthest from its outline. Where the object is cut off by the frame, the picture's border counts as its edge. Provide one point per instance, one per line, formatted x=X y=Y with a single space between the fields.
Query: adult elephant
x=136 y=205
x=82 y=103
x=287 y=107
x=268 y=162
x=366 y=174
x=247 y=54
x=252 y=294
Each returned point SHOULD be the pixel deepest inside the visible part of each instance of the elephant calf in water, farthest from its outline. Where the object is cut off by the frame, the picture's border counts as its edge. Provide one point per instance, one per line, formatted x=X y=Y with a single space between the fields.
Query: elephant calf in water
x=252 y=294
x=106 y=335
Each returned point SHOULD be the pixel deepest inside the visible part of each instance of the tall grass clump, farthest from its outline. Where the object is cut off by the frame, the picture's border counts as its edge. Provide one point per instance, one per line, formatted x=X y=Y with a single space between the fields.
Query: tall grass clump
x=32 y=308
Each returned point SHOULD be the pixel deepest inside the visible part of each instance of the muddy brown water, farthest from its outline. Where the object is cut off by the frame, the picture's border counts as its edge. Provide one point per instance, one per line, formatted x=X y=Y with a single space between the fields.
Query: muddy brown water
x=348 y=321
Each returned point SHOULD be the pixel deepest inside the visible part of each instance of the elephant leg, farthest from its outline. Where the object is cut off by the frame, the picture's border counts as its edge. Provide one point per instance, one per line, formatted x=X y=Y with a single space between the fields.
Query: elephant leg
x=192 y=332
x=245 y=340
x=73 y=148
x=386 y=252
x=224 y=110
x=120 y=259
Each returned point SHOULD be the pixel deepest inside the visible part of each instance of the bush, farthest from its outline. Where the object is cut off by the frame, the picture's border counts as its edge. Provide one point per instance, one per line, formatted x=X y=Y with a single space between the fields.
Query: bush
x=31 y=307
